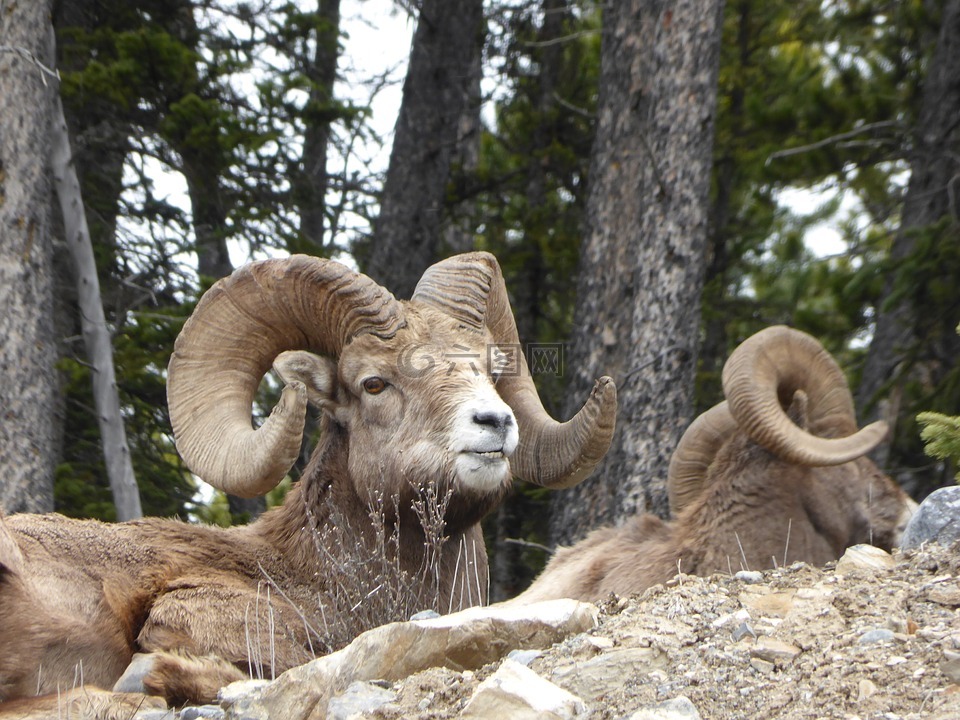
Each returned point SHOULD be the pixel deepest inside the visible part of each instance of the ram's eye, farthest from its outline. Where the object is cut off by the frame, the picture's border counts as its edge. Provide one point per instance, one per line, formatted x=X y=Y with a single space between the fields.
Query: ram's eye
x=374 y=385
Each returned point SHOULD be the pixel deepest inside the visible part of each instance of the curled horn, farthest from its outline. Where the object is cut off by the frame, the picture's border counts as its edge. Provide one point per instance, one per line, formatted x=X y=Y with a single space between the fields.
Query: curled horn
x=227 y=345
x=470 y=287
x=761 y=378
x=695 y=452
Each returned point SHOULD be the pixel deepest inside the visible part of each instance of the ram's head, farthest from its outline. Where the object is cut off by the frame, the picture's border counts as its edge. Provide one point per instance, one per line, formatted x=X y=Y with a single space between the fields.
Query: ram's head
x=431 y=389
x=787 y=436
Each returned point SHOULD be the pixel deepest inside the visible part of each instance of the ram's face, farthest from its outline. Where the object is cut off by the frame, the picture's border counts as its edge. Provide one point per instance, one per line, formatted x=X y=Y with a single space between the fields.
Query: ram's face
x=854 y=503
x=878 y=509
x=423 y=407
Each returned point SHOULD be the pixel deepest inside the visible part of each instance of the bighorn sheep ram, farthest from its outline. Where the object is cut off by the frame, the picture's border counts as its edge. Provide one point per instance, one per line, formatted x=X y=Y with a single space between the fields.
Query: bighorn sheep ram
x=778 y=473
x=409 y=400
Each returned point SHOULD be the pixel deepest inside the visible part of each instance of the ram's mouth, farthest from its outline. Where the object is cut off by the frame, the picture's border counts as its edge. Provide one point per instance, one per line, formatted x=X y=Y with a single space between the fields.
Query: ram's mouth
x=486 y=455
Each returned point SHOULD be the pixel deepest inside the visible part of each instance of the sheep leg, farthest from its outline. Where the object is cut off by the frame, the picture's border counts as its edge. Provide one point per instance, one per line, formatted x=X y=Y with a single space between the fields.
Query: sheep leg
x=219 y=622
x=178 y=677
x=47 y=650
x=80 y=702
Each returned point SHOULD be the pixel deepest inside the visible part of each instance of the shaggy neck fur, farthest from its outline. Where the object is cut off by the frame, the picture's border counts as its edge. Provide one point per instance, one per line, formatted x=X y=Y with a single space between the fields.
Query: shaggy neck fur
x=450 y=568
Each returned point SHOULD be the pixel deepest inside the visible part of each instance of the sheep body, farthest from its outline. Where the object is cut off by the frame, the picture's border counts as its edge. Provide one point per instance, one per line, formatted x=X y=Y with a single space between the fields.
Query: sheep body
x=737 y=504
x=419 y=440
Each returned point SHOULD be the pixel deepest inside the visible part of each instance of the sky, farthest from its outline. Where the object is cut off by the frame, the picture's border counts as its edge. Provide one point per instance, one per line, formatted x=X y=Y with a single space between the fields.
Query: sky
x=377 y=38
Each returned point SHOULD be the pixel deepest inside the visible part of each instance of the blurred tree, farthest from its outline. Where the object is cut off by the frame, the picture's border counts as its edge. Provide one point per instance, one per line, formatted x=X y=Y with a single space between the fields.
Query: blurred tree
x=98 y=344
x=157 y=84
x=529 y=196
x=912 y=359
x=941 y=435
x=437 y=93
x=115 y=59
x=642 y=259
x=310 y=183
x=821 y=98
x=28 y=383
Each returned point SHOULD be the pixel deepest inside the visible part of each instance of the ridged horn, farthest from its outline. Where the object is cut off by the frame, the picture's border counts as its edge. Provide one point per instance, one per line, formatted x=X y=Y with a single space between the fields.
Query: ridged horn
x=695 y=452
x=470 y=287
x=760 y=379
x=229 y=342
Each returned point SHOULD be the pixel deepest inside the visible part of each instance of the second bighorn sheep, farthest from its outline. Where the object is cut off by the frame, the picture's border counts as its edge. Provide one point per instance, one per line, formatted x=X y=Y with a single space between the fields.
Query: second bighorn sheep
x=778 y=473
x=412 y=407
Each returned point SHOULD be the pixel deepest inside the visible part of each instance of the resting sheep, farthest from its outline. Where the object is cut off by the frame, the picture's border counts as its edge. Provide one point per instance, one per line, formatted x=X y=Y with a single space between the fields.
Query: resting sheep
x=414 y=406
x=778 y=473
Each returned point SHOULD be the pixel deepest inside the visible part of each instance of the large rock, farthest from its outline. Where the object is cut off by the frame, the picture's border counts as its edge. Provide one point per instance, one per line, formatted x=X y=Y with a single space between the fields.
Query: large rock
x=516 y=692
x=679 y=708
x=360 y=697
x=936 y=520
x=460 y=641
x=864 y=557
x=604 y=674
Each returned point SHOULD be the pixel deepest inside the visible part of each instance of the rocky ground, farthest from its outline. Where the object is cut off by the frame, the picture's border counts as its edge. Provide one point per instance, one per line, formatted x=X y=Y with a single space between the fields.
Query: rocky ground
x=872 y=636
x=863 y=638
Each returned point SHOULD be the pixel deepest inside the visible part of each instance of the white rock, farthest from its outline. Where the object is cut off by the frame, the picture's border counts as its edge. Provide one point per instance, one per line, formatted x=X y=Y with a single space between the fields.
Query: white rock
x=864 y=557
x=360 y=697
x=605 y=673
x=524 y=657
x=235 y=691
x=600 y=643
x=679 y=708
x=740 y=616
x=132 y=678
x=241 y=699
x=865 y=690
x=518 y=693
x=468 y=639
x=774 y=651
x=762 y=666
x=936 y=520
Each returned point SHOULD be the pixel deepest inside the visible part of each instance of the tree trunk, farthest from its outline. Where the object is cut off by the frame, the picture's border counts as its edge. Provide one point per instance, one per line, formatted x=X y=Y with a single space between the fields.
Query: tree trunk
x=931 y=197
x=28 y=381
x=713 y=349
x=96 y=335
x=203 y=162
x=642 y=260
x=407 y=233
x=311 y=182
x=506 y=557
x=213 y=262
x=458 y=233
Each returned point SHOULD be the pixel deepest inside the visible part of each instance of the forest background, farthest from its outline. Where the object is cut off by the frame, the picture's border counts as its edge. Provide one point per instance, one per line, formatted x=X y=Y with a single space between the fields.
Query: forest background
x=632 y=166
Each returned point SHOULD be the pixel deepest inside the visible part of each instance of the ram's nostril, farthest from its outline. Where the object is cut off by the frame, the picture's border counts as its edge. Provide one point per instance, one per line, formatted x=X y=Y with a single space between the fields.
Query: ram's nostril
x=498 y=420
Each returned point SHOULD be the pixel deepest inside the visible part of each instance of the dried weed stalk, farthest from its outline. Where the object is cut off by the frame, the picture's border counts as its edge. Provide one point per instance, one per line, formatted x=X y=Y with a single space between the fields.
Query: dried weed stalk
x=366 y=584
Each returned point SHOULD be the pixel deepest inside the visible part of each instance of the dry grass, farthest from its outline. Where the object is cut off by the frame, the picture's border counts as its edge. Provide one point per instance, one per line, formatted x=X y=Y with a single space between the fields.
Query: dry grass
x=365 y=583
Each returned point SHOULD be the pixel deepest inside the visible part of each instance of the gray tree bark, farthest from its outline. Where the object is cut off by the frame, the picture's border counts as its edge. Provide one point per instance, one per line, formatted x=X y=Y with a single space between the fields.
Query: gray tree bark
x=96 y=335
x=408 y=231
x=507 y=564
x=931 y=196
x=311 y=182
x=713 y=350
x=642 y=259
x=28 y=381
x=458 y=231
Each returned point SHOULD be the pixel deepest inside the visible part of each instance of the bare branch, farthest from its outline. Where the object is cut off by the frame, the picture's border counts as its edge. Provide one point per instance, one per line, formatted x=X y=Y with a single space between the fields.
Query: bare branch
x=869 y=127
x=559 y=40
x=29 y=56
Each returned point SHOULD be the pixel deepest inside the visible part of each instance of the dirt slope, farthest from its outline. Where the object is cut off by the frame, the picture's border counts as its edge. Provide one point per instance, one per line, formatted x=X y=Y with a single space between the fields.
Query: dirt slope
x=802 y=642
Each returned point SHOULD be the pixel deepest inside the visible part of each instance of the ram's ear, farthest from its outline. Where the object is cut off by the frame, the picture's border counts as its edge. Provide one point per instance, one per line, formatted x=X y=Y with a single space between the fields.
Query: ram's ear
x=318 y=373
